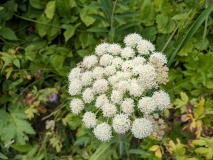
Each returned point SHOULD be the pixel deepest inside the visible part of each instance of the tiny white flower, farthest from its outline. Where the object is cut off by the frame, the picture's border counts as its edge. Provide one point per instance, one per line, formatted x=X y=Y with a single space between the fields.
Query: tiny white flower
x=109 y=110
x=106 y=59
x=138 y=61
x=90 y=61
x=147 y=76
x=87 y=78
x=121 y=123
x=159 y=56
x=75 y=87
x=103 y=132
x=76 y=105
x=88 y=95
x=75 y=73
x=127 y=53
x=142 y=128
x=101 y=100
x=110 y=70
x=128 y=65
x=116 y=96
x=127 y=106
x=135 y=89
x=101 y=48
x=100 y=86
x=98 y=72
x=89 y=119
x=114 y=49
x=117 y=62
x=122 y=86
x=162 y=99
x=144 y=47
x=147 y=105
x=132 y=39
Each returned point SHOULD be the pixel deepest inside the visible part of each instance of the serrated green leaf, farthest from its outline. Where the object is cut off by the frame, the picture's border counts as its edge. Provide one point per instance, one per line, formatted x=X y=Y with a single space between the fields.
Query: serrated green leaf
x=14 y=125
x=22 y=148
x=147 y=11
x=50 y=9
x=82 y=140
x=38 y=4
x=165 y=24
x=8 y=33
x=41 y=28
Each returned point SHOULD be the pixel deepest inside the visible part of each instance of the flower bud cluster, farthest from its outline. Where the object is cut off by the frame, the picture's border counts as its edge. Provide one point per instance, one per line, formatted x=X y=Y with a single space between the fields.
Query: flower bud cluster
x=117 y=84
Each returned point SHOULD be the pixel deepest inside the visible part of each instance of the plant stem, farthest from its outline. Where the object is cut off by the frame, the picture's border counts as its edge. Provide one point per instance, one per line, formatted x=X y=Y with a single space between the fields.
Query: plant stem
x=112 y=32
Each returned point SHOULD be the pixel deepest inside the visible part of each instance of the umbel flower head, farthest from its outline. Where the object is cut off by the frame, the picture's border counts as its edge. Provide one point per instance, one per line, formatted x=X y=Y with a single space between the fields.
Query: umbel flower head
x=118 y=83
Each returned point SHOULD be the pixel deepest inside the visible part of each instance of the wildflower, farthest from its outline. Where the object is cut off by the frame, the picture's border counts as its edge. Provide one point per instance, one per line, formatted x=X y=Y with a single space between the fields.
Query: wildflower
x=141 y=128
x=127 y=106
x=101 y=100
x=75 y=73
x=101 y=49
x=89 y=119
x=52 y=97
x=75 y=87
x=109 y=110
x=76 y=105
x=161 y=99
x=90 y=61
x=131 y=40
x=103 y=132
x=116 y=96
x=114 y=49
x=87 y=78
x=147 y=105
x=127 y=53
x=145 y=47
x=88 y=95
x=121 y=123
x=106 y=60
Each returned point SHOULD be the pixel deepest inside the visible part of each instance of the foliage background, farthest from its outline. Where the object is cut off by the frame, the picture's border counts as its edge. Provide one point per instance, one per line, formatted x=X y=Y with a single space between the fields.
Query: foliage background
x=41 y=40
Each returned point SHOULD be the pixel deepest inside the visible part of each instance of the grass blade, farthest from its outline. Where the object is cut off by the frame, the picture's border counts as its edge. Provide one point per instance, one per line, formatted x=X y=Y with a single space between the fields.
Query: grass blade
x=191 y=32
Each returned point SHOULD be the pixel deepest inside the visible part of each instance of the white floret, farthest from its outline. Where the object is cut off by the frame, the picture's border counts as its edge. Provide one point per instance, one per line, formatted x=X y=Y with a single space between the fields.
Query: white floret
x=145 y=47
x=132 y=39
x=159 y=56
x=147 y=105
x=75 y=87
x=114 y=49
x=110 y=70
x=121 y=123
x=127 y=106
x=98 y=72
x=87 y=78
x=75 y=73
x=89 y=119
x=117 y=62
x=103 y=132
x=127 y=53
x=116 y=96
x=100 y=86
x=106 y=60
x=162 y=99
x=88 y=95
x=135 y=89
x=90 y=61
x=101 y=100
x=141 y=128
x=76 y=105
x=109 y=110
x=101 y=49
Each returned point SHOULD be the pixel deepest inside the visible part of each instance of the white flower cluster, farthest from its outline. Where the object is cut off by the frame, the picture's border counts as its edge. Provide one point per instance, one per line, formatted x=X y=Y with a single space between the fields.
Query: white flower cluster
x=116 y=83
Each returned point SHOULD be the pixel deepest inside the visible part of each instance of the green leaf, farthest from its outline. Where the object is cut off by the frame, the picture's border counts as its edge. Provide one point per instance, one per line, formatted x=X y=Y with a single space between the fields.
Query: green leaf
x=8 y=33
x=84 y=14
x=98 y=17
x=1 y=8
x=98 y=29
x=165 y=24
x=138 y=151
x=149 y=33
x=38 y=4
x=14 y=125
x=70 y=30
x=50 y=9
x=16 y=62
x=83 y=53
x=57 y=61
x=191 y=32
x=41 y=28
x=3 y=156
x=22 y=148
x=82 y=140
